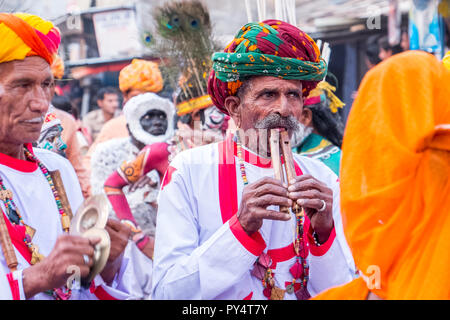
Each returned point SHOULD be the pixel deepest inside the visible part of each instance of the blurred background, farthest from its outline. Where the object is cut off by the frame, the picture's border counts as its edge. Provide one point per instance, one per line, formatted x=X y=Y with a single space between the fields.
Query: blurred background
x=100 y=37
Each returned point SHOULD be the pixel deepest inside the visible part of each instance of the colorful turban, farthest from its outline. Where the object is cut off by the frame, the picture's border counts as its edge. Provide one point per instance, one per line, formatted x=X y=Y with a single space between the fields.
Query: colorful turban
x=270 y=48
x=141 y=75
x=23 y=35
x=446 y=60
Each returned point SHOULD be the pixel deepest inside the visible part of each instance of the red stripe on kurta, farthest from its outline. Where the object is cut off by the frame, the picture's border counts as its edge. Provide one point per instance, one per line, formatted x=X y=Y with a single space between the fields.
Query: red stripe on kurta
x=14 y=285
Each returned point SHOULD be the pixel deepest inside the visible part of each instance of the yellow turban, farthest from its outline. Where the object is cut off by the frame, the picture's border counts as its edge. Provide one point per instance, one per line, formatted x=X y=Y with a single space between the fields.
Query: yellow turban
x=141 y=75
x=446 y=60
x=23 y=35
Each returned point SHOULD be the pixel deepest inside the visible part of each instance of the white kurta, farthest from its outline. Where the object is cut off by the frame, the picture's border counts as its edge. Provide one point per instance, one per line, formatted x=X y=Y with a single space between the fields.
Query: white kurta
x=34 y=199
x=201 y=250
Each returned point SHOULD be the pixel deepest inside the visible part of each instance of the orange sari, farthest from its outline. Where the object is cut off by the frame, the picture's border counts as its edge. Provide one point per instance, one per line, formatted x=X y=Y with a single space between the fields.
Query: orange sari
x=395 y=181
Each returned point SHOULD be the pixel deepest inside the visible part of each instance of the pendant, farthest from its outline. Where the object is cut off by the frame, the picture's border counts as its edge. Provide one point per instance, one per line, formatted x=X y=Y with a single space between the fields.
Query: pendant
x=5 y=195
x=296 y=270
x=277 y=294
x=35 y=255
x=258 y=271
x=267 y=292
x=59 y=294
x=302 y=294
x=264 y=260
x=13 y=216
x=290 y=289
x=30 y=232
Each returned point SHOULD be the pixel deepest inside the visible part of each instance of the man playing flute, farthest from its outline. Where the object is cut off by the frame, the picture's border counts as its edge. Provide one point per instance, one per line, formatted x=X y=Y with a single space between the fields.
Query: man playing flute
x=220 y=233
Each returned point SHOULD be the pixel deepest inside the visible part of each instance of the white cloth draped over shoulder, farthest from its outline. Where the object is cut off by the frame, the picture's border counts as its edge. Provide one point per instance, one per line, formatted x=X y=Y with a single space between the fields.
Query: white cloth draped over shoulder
x=201 y=250
x=34 y=199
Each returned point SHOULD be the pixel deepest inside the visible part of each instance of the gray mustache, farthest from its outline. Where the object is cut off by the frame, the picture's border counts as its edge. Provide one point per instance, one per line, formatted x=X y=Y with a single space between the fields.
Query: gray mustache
x=275 y=120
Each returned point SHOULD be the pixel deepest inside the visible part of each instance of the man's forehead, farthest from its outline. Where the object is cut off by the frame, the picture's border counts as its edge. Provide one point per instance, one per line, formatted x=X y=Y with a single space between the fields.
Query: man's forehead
x=267 y=82
x=29 y=68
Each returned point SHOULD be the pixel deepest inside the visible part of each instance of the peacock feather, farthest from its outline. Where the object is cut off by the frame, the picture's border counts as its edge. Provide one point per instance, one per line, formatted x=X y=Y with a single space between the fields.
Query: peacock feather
x=183 y=39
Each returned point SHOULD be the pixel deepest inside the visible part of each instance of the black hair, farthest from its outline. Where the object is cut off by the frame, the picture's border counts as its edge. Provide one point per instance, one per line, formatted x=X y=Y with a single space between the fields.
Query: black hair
x=64 y=103
x=106 y=90
x=372 y=50
x=384 y=44
x=328 y=124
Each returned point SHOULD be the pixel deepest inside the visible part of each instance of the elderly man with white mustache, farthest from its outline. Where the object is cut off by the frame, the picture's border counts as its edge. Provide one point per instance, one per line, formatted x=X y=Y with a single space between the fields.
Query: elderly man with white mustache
x=220 y=233
x=39 y=256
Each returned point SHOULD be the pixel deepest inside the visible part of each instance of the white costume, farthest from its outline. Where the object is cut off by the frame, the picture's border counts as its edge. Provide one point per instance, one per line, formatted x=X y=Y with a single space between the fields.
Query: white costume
x=109 y=155
x=202 y=251
x=34 y=199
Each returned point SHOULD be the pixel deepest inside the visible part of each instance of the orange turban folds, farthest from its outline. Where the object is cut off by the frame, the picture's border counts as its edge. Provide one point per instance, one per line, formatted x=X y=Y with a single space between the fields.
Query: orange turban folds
x=58 y=67
x=141 y=75
x=395 y=181
x=23 y=35
x=446 y=60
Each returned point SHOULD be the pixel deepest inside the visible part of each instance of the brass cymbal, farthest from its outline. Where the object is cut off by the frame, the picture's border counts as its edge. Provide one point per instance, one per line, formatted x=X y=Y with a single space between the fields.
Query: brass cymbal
x=93 y=213
x=101 y=251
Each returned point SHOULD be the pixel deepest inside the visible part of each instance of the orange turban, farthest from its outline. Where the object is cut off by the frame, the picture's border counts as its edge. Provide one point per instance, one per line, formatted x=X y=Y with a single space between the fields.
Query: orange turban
x=141 y=75
x=23 y=35
x=395 y=181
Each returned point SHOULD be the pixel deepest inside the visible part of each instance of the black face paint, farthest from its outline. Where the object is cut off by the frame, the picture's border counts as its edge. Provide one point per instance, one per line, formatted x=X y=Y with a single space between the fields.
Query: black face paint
x=154 y=122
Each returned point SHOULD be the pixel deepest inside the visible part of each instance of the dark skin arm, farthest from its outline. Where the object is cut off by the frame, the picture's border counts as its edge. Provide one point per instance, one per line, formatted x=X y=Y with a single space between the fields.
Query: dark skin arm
x=305 y=189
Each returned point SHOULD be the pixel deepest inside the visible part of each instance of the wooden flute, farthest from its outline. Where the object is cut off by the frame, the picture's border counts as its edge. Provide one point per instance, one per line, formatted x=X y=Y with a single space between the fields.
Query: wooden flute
x=280 y=144
x=7 y=247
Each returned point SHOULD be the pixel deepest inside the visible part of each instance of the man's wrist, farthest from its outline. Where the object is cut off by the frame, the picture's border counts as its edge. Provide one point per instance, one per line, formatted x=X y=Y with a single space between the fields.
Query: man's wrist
x=322 y=235
x=33 y=281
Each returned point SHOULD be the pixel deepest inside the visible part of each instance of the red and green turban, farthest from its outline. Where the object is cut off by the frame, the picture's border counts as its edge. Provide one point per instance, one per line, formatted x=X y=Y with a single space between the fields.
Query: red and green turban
x=270 y=48
x=23 y=35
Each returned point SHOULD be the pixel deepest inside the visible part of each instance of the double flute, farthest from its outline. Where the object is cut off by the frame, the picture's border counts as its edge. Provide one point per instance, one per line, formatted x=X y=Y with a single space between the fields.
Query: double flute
x=280 y=144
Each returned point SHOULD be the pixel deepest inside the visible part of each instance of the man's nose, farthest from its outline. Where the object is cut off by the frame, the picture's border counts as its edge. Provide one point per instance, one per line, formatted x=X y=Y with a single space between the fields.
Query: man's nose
x=39 y=100
x=284 y=108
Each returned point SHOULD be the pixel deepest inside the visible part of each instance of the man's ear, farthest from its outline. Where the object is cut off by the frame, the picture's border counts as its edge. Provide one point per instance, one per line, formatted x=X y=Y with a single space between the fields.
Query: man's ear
x=233 y=106
x=306 y=117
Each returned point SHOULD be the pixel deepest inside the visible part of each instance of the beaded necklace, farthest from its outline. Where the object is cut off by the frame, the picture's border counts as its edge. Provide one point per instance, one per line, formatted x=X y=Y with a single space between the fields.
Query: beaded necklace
x=299 y=270
x=14 y=216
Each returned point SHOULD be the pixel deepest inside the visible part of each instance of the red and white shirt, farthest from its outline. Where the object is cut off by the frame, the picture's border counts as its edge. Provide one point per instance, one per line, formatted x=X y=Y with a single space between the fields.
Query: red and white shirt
x=201 y=250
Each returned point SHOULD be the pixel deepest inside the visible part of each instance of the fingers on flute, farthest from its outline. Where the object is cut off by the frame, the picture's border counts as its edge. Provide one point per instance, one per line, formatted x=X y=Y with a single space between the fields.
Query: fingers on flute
x=270 y=199
x=271 y=189
x=305 y=182
x=271 y=215
x=308 y=194
x=269 y=180
x=315 y=204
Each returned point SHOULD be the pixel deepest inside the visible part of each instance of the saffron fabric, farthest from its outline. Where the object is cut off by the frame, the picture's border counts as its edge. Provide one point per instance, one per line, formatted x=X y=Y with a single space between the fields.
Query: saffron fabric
x=271 y=48
x=24 y=35
x=395 y=181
